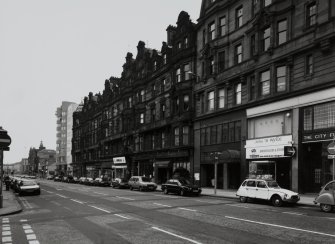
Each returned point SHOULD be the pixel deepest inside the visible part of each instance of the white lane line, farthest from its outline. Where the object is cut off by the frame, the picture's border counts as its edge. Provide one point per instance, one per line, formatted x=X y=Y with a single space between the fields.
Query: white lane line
x=187 y=209
x=61 y=196
x=165 y=196
x=126 y=198
x=293 y=213
x=281 y=226
x=121 y=216
x=100 y=193
x=23 y=220
x=159 y=204
x=101 y=209
x=237 y=206
x=77 y=201
x=181 y=237
x=48 y=191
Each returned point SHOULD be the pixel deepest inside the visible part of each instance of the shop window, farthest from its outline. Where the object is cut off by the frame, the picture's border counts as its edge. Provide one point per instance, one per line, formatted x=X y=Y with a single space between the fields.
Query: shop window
x=324 y=116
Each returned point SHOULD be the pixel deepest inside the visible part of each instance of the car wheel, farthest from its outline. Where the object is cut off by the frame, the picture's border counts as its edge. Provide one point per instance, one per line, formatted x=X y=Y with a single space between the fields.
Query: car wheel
x=166 y=191
x=326 y=207
x=182 y=192
x=243 y=199
x=276 y=201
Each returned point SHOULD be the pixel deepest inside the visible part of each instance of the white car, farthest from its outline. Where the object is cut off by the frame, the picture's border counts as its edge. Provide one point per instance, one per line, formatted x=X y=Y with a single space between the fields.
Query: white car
x=267 y=190
x=28 y=186
x=141 y=183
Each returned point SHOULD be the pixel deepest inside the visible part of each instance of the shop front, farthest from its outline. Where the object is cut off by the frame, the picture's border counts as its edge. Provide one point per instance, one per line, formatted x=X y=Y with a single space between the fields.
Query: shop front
x=119 y=167
x=270 y=158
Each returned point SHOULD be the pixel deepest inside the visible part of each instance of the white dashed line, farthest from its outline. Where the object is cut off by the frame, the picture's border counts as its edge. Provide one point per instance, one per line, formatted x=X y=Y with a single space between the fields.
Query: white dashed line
x=100 y=193
x=293 y=213
x=121 y=216
x=77 y=201
x=159 y=204
x=181 y=237
x=101 y=209
x=126 y=198
x=187 y=209
x=280 y=226
x=61 y=196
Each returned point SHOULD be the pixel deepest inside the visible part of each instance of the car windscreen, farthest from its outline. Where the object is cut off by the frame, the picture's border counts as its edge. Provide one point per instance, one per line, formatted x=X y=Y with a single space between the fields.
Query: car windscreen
x=184 y=182
x=273 y=184
x=28 y=183
x=145 y=179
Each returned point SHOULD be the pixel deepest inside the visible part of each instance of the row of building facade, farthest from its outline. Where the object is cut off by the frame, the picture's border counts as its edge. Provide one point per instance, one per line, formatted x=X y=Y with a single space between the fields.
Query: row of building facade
x=249 y=90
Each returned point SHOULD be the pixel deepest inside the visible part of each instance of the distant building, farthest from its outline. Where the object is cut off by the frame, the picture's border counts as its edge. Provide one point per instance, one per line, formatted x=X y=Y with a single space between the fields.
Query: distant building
x=24 y=166
x=46 y=162
x=33 y=159
x=64 y=137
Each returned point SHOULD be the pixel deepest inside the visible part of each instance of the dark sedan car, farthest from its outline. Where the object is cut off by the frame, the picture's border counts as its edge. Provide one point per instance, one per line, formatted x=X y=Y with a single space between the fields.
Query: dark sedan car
x=120 y=183
x=180 y=186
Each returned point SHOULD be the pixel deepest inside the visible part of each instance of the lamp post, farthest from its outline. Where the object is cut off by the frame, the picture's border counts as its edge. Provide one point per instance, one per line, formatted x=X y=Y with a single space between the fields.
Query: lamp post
x=215 y=156
x=5 y=141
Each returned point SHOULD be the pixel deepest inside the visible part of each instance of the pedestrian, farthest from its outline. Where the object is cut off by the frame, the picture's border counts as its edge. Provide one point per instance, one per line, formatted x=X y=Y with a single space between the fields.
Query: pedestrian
x=7 y=182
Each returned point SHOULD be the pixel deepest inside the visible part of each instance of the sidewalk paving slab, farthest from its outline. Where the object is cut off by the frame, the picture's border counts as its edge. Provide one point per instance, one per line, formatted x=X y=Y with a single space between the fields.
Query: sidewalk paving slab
x=11 y=204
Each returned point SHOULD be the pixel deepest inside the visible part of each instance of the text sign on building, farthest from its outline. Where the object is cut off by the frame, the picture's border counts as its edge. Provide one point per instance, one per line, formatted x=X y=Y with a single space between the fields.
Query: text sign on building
x=324 y=136
x=119 y=160
x=269 y=147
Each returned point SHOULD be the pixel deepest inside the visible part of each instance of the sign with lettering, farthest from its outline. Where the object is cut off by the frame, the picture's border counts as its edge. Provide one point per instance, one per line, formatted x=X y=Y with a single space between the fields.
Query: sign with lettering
x=119 y=160
x=269 y=147
x=331 y=148
x=323 y=136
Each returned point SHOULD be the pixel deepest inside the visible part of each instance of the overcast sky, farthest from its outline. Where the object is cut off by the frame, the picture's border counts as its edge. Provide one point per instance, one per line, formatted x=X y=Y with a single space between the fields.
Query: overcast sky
x=60 y=50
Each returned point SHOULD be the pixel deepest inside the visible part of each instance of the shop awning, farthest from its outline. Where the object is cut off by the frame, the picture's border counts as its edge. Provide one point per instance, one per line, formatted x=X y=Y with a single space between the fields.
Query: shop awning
x=162 y=164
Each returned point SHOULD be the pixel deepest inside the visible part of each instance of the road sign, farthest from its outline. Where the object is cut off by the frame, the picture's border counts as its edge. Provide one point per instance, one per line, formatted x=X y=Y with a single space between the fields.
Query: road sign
x=331 y=156
x=331 y=148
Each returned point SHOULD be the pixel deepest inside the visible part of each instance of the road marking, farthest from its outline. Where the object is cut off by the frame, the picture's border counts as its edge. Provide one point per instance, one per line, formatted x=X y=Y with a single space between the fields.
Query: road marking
x=6 y=239
x=100 y=193
x=125 y=198
x=121 y=216
x=187 y=209
x=281 y=226
x=5 y=228
x=61 y=196
x=56 y=203
x=181 y=237
x=6 y=233
x=31 y=237
x=23 y=220
x=29 y=231
x=59 y=189
x=34 y=242
x=101 y=209
x=165 y=196
x=25 y=227
x=77 y=201
x=294 y=213
x=237 y=206
x=159 y=204
x=48 y=191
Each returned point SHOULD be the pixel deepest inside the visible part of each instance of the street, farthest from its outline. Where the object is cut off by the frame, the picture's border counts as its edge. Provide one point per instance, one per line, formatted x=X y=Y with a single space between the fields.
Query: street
x=71 y=213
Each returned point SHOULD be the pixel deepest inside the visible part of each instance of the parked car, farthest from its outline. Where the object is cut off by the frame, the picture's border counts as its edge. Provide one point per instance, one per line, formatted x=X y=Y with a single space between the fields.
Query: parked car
x=28 y=186
x=57 y=178
x=102 y=182
x=72 y=179
x=89 y=181
x=120 y=183
x=82 y=180
x=267 y=190
x=142 y=183
x=64 y=179
x=180 y=186
x=326 y=197
x=50 y=177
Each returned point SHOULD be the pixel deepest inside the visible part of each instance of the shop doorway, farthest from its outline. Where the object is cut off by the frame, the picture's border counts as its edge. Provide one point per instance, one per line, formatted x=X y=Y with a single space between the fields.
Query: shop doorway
x=163 y=175
x=283 y=173
x=234 y=176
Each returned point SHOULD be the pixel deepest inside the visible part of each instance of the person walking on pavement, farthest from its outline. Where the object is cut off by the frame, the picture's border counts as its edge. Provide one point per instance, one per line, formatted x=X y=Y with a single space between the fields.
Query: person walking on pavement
x=7 y=182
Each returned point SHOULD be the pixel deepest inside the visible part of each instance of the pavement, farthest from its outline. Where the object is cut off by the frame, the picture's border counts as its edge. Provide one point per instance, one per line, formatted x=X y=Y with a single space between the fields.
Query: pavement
x=11 y=204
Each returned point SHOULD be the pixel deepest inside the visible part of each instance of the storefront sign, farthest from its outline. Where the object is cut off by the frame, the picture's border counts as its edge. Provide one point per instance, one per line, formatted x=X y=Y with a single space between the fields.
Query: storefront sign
x=119 y=160
x=270 y=147
x=331 y=156
x=270 y=141
x=324 y=136
x=119 y=166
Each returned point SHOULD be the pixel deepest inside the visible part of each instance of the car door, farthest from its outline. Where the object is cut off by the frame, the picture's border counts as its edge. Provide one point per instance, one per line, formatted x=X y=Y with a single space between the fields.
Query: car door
x=262 y=190
x=251 y=188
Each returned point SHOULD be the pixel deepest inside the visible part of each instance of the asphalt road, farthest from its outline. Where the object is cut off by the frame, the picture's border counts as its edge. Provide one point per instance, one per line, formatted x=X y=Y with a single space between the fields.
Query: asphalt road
x=70 y=213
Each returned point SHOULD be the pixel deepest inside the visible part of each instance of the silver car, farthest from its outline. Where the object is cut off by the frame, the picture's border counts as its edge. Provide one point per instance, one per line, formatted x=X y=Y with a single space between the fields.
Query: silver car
x=141 y=183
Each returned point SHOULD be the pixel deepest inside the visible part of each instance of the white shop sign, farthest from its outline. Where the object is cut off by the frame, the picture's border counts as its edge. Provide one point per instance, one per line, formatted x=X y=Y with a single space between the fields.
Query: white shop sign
x=270 y=141
x=119 y=160
x=270 y=147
